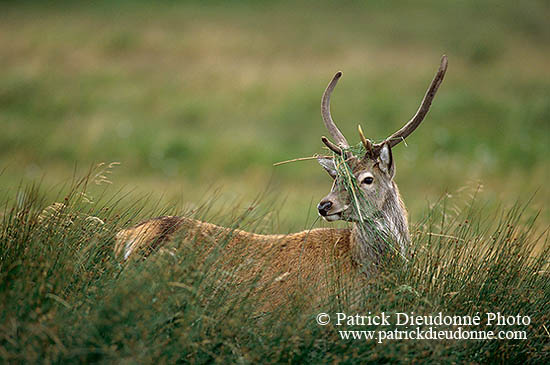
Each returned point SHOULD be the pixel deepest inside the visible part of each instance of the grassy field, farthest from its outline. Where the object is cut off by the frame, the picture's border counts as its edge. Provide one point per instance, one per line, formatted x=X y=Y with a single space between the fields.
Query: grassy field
x=199 y=99
x=194 y=97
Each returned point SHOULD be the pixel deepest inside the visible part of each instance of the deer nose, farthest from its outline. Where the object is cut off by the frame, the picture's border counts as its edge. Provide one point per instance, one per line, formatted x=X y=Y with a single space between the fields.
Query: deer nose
x=323 y=207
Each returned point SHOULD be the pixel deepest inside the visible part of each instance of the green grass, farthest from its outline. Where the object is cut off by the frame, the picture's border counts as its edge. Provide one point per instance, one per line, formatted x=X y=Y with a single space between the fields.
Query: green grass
x=200 y=97
x=193 y=94
x=68 y=299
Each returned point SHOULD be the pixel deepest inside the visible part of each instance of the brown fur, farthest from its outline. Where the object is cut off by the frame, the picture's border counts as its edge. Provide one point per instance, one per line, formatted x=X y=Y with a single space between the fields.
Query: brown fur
x=299 y=262
x=283 y=264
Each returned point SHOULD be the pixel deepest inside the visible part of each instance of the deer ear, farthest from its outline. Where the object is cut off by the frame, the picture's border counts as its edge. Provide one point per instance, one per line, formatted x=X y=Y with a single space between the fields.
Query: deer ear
x=328 y=165
x=385 y=160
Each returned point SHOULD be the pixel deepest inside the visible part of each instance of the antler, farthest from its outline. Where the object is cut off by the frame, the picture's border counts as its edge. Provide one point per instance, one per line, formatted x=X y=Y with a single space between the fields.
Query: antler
x=327 y=118
x=366 y=142
x=334 y=148
x=408 y=128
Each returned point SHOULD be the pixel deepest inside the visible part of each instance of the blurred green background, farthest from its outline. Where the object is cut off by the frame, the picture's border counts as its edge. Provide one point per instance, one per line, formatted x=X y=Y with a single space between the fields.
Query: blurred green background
x=196 y=96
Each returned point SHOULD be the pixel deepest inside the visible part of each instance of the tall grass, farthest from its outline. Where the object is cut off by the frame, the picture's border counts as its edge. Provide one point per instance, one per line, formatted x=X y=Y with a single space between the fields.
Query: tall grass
x=65 y=297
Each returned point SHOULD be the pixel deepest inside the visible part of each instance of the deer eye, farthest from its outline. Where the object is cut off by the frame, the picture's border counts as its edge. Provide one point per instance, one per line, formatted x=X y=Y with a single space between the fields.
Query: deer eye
x=368 y=180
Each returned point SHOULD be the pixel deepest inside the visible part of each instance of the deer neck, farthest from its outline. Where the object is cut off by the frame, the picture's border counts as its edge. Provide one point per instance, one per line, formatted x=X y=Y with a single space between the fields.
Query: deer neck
x=384 y=232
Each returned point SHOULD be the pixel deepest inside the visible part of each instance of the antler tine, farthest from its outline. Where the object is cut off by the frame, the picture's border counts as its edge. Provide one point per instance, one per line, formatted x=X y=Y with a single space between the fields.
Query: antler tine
x=325 y=112
x=331 y=146
x=366 y=142
x=408 y=128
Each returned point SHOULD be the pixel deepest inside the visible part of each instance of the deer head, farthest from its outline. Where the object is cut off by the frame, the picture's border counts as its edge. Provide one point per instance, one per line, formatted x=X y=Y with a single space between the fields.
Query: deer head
x=367 y=177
